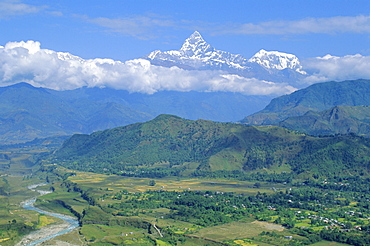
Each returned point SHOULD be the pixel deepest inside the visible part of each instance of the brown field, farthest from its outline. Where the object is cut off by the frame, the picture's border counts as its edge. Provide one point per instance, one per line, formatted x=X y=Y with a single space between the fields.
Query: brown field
x=237 y=230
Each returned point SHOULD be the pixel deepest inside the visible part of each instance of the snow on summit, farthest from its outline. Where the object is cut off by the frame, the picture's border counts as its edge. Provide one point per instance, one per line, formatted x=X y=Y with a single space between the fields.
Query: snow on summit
x=195 y=45
x=195 y=66
x=196 y=53
x=28 y=62
x=277 y=60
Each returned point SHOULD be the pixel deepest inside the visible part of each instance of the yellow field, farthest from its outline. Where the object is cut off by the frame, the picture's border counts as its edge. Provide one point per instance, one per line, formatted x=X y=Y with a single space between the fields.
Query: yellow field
x=243 y=243
x=45 y=220
x=4 y=239
x=162 y=243
x=116 y=183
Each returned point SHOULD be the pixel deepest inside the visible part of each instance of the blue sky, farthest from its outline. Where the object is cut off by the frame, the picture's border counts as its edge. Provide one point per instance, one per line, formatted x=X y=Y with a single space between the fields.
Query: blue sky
x=106 y=38
x=128 y=29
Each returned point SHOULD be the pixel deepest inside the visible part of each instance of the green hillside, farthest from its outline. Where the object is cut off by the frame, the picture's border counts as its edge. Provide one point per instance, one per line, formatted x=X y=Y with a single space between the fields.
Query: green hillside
x=317 y=97
x=170 y=145
x=337 y=120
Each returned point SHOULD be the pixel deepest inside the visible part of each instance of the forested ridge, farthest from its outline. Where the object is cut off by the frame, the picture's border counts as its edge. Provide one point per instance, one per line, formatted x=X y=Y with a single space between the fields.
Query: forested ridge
x=336 y=120
x=317 y=97
x=171 y=146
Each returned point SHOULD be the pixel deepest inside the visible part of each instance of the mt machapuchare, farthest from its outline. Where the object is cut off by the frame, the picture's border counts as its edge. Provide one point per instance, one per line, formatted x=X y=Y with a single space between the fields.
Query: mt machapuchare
x=90 y=109
x=197 y=54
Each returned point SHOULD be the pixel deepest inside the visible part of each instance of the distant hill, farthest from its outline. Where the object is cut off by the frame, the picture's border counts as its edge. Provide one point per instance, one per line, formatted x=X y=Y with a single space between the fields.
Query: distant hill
x=170 y=145
x=317 y=97
x=336 y=120
x=27 y=112
x=215 y=106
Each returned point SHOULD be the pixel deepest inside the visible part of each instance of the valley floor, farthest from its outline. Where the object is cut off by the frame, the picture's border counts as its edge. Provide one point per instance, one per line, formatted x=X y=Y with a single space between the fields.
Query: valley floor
x=119 y=210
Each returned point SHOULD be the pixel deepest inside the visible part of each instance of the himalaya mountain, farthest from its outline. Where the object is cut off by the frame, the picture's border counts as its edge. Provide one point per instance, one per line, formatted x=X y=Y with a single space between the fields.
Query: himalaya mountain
x=27 y=112
x=197 y=54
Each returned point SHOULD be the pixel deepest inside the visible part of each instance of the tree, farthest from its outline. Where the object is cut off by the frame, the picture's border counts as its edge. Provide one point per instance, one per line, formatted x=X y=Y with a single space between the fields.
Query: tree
x=152 y=182
x=289 y=223
x=348 y=225
x=278 y=220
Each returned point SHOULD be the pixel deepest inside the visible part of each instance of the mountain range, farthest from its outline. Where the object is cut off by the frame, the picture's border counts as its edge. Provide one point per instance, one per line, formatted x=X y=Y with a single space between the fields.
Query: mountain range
x=197 y=54
x=320 y=109
x=27 y=112
x=317 y=97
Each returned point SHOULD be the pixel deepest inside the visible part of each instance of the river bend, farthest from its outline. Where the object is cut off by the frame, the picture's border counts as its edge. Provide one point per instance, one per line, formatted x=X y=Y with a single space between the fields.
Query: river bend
x=48 y=232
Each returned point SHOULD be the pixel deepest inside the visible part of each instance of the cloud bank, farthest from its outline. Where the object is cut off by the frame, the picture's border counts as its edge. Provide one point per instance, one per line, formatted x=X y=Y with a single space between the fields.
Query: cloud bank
x=336 y=68
x=27 y=62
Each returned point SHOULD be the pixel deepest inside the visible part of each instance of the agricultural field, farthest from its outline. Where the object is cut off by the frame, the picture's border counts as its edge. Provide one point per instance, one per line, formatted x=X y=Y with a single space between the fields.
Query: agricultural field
x=116 y=183
x=16 y=168
x=120 y=210
x=177 y=207
x=14 y=220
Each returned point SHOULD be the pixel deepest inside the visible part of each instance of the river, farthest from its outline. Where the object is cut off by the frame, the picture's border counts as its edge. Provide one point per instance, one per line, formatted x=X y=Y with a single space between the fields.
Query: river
x=50 y=231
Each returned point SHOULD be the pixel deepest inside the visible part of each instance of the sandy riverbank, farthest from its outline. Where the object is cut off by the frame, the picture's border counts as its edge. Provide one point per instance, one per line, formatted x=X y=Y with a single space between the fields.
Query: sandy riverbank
x=42 y=233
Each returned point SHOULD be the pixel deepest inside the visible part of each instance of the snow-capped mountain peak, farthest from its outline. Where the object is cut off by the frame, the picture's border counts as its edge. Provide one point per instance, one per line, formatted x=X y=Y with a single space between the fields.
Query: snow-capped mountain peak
x=196 y=53
x=277 y=60
x=195 y=45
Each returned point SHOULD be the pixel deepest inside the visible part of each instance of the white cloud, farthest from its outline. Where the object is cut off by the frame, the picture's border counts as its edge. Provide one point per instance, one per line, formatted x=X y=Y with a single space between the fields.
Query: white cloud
x=330 y=25
x=149 y=26
x=138 y=26
x=337 y=68
x=26 y=61
x=12 y=8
